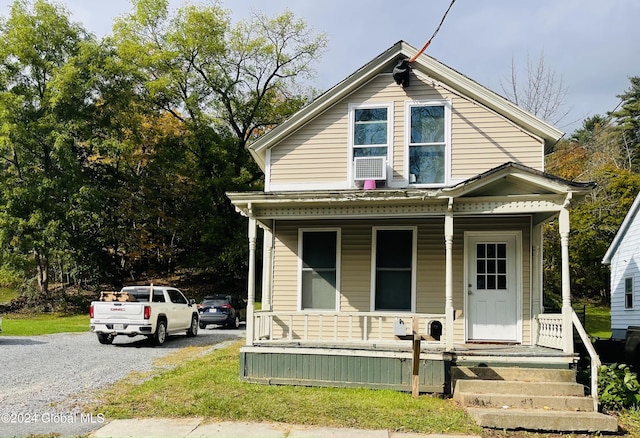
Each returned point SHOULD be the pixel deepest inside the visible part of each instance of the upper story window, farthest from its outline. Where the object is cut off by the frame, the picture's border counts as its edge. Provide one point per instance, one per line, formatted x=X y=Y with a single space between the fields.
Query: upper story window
x=428 y=141
x=371 y=130
x=628 y=293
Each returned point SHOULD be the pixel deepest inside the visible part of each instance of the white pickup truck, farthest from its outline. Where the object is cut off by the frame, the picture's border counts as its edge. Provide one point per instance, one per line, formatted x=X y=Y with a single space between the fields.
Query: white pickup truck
x=152 y=311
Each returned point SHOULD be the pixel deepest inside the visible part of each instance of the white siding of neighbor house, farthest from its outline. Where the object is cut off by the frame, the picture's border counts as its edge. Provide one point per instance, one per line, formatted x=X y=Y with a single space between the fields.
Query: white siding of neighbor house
x=356 y=245
x=317 y=153
x=624 y=264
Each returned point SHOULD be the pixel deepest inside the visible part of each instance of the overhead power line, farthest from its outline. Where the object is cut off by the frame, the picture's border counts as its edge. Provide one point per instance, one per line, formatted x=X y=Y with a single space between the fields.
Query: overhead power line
x=402 y=69
x=414 y=57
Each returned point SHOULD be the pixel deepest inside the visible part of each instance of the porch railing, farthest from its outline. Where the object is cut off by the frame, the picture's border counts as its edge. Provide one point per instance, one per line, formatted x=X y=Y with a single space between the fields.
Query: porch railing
x=595 y=359
x=550 y=330
x=347 y=327
x=550 y=335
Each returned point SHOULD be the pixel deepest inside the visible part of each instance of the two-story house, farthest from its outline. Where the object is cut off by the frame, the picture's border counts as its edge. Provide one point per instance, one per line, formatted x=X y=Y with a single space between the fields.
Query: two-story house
x=390 y=209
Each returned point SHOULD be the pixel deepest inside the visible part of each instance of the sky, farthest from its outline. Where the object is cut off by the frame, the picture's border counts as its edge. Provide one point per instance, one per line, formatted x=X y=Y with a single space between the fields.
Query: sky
x=592 y=46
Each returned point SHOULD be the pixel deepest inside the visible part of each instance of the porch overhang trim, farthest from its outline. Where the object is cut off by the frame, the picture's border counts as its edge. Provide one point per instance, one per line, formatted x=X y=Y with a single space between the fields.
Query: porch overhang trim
x=267 y=207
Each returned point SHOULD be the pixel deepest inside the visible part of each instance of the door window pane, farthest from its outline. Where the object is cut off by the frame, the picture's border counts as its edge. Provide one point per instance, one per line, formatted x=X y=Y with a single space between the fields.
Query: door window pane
x=491 y=266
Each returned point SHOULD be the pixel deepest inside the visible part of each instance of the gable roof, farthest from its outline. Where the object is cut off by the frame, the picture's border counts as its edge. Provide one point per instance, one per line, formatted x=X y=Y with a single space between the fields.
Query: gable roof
x=427 y=65
x=626 y=224
x=518 y=175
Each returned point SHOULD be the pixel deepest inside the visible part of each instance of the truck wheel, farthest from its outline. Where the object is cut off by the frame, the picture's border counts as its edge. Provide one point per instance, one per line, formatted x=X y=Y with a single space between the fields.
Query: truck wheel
x=235 y=323
x=193 y=329
x=161 y=333
x=105 y=338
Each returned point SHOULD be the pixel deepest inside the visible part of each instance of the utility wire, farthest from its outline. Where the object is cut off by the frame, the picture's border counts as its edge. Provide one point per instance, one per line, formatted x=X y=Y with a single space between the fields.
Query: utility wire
x=414 y=57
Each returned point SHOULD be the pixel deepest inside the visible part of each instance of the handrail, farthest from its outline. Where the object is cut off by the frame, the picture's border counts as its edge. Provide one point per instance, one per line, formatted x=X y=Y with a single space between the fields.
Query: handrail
x=595 y=359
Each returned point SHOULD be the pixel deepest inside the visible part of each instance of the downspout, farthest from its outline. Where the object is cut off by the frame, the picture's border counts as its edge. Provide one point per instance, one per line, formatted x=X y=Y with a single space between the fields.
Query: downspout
x=251 y=286
x=448 y=306
x=567 y=323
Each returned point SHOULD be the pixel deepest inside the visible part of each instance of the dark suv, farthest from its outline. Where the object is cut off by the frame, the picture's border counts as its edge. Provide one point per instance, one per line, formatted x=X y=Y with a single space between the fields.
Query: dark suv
x=225 y=310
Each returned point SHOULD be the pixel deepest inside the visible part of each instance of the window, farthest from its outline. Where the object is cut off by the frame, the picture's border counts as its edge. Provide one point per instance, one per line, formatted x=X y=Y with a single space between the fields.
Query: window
x=176 y=296
x=428 y=139
x=371 y=128
x=393 y=269
x=628 y=293
x=491 y=268
x=319 y=269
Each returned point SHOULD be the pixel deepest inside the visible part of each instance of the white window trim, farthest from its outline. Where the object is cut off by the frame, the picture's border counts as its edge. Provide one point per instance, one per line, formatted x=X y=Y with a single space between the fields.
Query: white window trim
x=414 y=264
x=447 y=139
x=633 y=293
x=338 y=266
x=351 y=130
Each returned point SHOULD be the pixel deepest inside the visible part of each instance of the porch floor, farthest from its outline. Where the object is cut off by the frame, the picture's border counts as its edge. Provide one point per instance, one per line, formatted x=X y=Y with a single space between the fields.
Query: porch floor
x=460 y=352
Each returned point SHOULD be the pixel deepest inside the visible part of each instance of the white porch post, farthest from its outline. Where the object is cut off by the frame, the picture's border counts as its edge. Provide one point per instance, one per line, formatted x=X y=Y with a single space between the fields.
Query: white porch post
x=537 y=283
x=567 y=322
x=251 y=286
x=448 y=306
x=267 y=268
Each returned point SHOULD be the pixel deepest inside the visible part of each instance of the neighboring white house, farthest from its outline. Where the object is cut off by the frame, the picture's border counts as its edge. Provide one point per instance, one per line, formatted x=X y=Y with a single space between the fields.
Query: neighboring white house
x=624 y=255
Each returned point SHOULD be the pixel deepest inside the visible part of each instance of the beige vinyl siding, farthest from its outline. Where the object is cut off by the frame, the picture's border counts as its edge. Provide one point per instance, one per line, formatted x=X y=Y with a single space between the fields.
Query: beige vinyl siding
x=481 y=139
x=316 y=152
x=285 y=261
x=356 y=270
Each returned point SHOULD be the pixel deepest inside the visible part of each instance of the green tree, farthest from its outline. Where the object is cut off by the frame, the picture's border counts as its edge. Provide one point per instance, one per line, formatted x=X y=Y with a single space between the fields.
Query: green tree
x=225 y=84
x=599 y=151
x=39 y=173
x=627 y=120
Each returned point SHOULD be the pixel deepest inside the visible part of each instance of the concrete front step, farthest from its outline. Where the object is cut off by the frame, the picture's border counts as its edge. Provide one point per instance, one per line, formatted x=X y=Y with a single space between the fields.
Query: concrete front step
x=543 y=420
x=564 y=389
x=512 y=374
x=485 y=400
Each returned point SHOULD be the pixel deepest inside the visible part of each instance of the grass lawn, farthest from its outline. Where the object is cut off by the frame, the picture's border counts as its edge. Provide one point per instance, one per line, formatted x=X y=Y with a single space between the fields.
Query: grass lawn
x=598 y=321
x=43 y=324
x=7 y=294
x=209 y=387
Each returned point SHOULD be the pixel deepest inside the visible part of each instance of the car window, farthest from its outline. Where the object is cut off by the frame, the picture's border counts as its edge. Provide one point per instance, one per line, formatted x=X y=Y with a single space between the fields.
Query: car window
x=176 y=296
x=142 y=294
x=214 y=303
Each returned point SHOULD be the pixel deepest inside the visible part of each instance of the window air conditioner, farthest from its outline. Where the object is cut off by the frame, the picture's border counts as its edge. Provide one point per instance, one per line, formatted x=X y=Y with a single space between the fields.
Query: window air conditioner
x=370 y=168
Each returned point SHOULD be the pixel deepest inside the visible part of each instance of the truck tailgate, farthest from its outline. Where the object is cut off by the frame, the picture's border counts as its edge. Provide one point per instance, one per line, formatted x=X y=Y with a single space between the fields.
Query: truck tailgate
x=110 y=311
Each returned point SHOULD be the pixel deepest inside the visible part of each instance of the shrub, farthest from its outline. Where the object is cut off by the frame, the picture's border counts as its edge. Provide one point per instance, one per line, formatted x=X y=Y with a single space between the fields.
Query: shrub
x=618 y=387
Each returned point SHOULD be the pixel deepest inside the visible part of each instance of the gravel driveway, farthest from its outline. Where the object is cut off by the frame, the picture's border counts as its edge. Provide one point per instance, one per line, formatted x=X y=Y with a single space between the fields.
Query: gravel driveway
x=44 y=379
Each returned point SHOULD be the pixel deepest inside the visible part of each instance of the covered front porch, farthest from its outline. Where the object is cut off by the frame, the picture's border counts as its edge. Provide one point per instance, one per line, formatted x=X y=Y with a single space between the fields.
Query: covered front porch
x=305 y=349
x=358 y=343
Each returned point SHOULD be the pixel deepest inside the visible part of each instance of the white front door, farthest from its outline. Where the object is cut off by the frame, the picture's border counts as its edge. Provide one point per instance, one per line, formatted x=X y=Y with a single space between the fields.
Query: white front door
x=492 y=287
